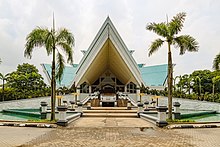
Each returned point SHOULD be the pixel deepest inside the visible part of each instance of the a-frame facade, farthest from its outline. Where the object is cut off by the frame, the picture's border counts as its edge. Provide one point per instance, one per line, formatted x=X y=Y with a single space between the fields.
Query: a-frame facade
x=108 y=66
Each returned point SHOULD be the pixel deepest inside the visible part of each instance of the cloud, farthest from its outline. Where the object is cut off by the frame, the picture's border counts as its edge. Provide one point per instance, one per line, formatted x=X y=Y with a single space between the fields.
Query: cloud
x=85 y=17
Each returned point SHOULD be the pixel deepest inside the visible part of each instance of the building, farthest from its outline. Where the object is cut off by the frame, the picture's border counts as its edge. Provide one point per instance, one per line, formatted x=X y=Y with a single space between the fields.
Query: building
x=108 y=67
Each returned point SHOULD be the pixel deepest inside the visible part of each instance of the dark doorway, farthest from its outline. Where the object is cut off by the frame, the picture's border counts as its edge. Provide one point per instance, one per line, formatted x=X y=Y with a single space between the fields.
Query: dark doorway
x=108 y=89
x=108 y=104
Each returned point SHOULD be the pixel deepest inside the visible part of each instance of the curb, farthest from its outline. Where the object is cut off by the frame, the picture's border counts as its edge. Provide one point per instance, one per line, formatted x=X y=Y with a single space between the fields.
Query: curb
x=192 y=126
x=29 y=125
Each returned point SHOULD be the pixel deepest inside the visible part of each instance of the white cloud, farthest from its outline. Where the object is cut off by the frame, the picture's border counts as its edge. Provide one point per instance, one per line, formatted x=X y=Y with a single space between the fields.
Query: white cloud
x=85 y=17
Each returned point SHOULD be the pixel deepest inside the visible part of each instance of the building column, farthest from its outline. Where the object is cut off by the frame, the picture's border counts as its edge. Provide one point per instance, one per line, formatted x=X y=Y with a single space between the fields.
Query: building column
x=138 y=93
x=125 y=88
x=90 y=89
x=77 y=93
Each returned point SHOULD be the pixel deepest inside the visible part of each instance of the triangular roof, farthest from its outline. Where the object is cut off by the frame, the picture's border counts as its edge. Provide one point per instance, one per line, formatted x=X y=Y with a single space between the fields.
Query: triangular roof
x=94 y=61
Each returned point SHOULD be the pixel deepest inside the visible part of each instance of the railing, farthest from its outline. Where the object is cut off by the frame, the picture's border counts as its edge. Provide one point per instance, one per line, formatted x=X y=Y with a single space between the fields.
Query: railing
x=88 y=98
x=125 y=96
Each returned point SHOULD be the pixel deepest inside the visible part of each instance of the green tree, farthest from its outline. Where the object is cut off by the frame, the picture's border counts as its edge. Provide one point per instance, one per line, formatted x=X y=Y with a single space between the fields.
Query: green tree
x=26 y=80
x=168 y=31
x=51 y=40
x=216 y=62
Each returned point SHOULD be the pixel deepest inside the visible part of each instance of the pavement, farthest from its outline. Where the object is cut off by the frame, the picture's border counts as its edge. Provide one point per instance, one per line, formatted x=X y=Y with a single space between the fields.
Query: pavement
x=17 y=136
x=125 y=132
x=109 y=132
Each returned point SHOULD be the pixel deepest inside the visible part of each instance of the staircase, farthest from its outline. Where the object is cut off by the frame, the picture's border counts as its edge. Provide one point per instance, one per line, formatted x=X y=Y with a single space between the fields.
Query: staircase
x=110 y=112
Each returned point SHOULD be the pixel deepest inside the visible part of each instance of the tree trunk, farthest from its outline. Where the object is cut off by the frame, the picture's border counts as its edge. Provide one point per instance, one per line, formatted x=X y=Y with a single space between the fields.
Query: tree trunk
x=213 y=88
x=3 y=89
x=170 y=82
x=53 y=88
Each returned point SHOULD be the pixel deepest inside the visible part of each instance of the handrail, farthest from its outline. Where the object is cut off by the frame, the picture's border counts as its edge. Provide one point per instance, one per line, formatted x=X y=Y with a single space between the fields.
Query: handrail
x=88 y=98
x=128 y=98
x=85 y=99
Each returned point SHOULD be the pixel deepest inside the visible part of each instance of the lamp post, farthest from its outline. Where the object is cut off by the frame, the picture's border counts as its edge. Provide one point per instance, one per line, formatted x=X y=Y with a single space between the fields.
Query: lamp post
x=141 y=94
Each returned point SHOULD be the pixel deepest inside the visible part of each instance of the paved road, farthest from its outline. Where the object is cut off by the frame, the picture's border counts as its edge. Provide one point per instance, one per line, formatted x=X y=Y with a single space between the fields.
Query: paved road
x=126 y=132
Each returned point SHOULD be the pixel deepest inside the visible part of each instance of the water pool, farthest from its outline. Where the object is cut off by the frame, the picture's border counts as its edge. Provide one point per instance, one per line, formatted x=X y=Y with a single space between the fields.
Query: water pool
x=206 y=118
x=16 y=117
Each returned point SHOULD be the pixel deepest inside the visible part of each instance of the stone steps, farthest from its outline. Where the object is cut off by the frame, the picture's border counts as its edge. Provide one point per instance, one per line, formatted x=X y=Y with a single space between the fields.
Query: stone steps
x=110 y=115
x=109 y=108
x=109 y=111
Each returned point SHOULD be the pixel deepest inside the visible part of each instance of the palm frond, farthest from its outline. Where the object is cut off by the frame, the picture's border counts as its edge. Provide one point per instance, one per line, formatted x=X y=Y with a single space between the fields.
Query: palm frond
x=159 y=28
x=216 y=62
x=155 y=45
x=49 y=42
x=1 y=76
x=64 y=35
x=60 y=67
x=35 y=39
x=176 y=24
x=67 y=49
x=186 y=43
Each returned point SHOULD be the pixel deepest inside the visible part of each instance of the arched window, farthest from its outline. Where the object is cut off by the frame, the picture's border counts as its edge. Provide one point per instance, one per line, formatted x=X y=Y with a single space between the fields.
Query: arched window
x=131 y=87
x=84 y=88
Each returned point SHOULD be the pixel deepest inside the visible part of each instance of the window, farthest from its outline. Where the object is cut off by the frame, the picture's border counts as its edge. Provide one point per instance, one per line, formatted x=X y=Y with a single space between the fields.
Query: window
x=84 y=88
x=131 y=87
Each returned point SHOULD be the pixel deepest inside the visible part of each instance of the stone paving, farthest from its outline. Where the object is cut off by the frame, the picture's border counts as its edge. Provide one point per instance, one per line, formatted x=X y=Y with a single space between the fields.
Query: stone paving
x=125 y=132
x=16 y=136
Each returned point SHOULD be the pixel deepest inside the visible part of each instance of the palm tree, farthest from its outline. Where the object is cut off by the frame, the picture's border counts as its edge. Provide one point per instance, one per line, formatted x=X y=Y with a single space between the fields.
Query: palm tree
x=168 y=31
x=216 y=62
x=51 y=40
x=3 y=78
x=214 y=81
x=198 y=80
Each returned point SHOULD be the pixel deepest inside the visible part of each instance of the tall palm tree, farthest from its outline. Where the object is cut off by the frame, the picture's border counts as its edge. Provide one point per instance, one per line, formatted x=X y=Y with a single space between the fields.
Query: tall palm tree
x=168 y=31
x=214 y=81
x=3 y=78
x=51 y=40
x=216 y=62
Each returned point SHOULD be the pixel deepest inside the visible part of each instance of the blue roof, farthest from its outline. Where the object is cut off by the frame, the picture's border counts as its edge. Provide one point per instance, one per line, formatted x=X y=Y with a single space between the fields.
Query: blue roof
x=151 y=75
x=68 y=74
x=154 y=75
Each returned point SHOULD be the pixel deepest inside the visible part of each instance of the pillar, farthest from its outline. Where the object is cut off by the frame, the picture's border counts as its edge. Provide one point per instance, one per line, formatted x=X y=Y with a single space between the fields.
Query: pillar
x=72 y=105
x=161 y=120
x=125 y=88
x=80 y=108
x=146 y=103
x=77 y=94
x=153 y=104
x=43 y=110
x=138 y=93
x=65 y=103
x=62 y=116
x=140 y=108
x=176 y=106
x=129 y=105
x=89 y=105
x=90 y=89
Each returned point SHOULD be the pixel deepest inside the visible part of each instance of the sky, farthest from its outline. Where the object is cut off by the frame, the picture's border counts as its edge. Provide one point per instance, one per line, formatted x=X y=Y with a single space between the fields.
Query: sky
x=130 y=17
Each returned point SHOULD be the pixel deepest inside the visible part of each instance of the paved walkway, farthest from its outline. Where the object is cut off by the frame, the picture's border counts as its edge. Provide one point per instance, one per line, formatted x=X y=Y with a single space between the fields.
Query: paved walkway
x=16 y=136
x=109 y=132
x=126 y=132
